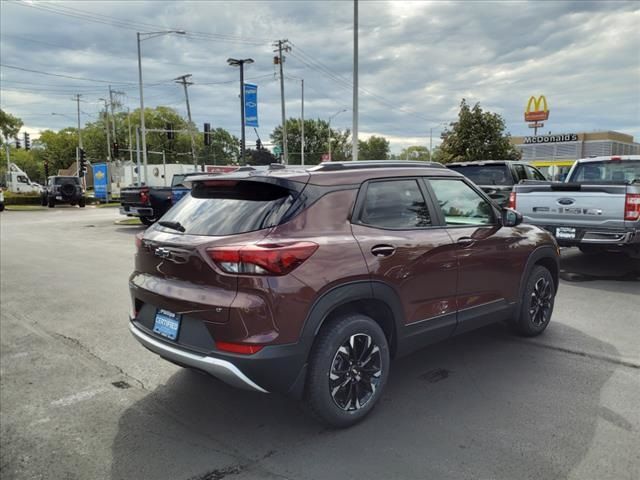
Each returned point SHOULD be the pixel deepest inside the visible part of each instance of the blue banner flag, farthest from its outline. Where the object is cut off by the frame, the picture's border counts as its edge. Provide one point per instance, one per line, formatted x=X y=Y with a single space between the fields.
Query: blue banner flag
x=250 y=105
x=100 y=180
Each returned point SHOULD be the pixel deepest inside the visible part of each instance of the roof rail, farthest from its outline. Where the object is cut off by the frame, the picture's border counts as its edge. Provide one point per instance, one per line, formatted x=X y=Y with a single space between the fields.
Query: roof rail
x=351 y=165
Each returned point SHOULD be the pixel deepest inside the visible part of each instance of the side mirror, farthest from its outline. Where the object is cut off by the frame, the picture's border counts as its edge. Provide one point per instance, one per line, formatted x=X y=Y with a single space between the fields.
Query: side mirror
x=511 y=218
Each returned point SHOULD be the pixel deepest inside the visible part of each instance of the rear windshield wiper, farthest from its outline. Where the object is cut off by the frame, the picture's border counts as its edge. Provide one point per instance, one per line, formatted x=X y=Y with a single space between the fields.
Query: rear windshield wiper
x=172 y=225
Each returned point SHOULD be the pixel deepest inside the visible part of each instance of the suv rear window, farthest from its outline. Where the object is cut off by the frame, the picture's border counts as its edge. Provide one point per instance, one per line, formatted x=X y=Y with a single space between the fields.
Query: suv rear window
x=225 y=207
x=625 y=171
x=485 y=174
x=65 y=180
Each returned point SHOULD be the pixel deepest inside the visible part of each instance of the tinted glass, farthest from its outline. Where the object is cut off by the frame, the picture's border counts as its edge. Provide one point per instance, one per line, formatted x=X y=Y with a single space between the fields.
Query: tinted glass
x=229 y=207
x=460 y=204
x=520 y=173
x=533 y=174
x=625 y=171
x=396 y=204
x=65 y=180
x=485 y=174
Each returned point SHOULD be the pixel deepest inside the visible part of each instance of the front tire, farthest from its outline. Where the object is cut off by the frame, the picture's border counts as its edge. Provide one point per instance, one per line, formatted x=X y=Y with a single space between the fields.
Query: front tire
x=348 y=370
x=148 y=221
x=81 y=203
x=536 y=305
x=51 y=202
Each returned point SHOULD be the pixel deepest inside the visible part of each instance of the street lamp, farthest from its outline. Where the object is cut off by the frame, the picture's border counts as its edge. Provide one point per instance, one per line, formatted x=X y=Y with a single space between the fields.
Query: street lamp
x=331 y=118
x=139 y=37
x=235 y=62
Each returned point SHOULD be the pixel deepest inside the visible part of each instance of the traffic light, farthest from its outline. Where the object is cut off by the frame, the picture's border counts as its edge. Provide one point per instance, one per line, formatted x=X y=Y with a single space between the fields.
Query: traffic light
x=115 y=149
x=18 y=144
x=258 y=144
x=27 y=141
x=207 y=134
x=170 y=134
x=82 y=169
x=46 y=169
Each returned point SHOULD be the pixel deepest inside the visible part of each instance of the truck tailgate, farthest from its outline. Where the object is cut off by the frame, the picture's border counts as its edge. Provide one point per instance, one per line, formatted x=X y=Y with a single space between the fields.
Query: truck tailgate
x=600 y=206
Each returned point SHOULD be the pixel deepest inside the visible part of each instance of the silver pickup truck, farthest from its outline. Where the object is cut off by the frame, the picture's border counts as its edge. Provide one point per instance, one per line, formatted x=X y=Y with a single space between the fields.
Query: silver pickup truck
x=596 y=208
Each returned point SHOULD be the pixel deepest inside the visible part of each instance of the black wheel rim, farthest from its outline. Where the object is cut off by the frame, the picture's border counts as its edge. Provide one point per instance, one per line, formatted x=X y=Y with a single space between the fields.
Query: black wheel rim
x=355 y=373
x=541 y=301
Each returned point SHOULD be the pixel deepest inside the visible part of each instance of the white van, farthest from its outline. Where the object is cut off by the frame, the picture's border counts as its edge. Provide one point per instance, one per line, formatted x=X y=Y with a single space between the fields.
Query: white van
x=18 y=181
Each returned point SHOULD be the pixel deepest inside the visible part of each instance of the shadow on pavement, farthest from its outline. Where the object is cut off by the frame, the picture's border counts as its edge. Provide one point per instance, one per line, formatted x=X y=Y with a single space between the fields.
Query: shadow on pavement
x=578 y=267
x=483 y=405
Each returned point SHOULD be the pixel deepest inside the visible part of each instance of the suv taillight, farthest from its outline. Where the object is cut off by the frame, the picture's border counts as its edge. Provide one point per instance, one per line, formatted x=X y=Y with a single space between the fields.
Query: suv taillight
x=512 y=200
x=144 y=196
x=262 y=259
x=632 y=207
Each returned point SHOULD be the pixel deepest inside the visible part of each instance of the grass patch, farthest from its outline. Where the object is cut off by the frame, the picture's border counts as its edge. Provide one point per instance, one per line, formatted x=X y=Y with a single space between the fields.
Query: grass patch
x=108 y=205
x=24 y=208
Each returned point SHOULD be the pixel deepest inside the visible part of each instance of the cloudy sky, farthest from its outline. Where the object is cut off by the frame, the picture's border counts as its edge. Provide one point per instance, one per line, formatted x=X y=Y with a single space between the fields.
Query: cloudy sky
x=417 y=60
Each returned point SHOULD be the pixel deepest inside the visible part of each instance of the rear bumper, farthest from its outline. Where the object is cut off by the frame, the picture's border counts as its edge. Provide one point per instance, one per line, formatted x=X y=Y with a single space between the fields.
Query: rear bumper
x=221 y=369
x=136 y=211
x=596 y=236
x=275 y=368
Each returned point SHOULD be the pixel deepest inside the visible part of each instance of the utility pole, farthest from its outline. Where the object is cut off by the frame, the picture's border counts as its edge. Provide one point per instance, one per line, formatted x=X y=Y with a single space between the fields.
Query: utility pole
x=354 y=138
x=77 y=97
x=106 y=127
x=129 y=127
x=302 y=126
x=185 y=82
x=138 y=157
x=283 y=45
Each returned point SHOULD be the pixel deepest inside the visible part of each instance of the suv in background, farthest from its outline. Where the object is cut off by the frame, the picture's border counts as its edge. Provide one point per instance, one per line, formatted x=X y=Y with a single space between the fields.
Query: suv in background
x=63 y=190
x=307 y=282
x=497 y=177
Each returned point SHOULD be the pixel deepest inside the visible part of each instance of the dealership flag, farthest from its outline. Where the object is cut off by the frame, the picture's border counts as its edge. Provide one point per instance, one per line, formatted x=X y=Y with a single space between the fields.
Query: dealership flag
x=250 y=105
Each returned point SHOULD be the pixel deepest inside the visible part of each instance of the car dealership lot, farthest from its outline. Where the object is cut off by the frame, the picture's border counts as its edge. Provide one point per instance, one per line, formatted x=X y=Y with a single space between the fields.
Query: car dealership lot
x=81 y=399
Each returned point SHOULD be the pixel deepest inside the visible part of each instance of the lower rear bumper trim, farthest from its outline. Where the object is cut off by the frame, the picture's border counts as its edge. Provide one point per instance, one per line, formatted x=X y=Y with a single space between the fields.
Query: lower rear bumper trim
x=221 y=369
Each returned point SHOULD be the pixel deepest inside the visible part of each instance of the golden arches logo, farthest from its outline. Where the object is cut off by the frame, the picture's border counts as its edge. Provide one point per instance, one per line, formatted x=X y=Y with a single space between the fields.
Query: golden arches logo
x=533 y=112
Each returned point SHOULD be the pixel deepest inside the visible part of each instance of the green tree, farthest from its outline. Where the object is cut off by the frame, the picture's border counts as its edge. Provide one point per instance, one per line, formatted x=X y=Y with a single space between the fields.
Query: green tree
x=316 y=140
x=375 y=148
x=224 y=148
x=59 y=148
x=9 y=125
x=477 y=135
x=415 y=152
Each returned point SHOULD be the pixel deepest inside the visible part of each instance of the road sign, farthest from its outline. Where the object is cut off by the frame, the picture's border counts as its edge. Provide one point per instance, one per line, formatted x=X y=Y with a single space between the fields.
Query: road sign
x=277 y=150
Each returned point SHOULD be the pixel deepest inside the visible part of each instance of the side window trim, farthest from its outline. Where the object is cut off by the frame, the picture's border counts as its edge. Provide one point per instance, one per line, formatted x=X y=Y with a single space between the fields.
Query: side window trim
x=494 y=208
x=356 y=217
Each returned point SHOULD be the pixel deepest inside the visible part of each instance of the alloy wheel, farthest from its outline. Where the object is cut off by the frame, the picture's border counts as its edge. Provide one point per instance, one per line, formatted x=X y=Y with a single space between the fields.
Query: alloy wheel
x=356 y=371
x=540 y=302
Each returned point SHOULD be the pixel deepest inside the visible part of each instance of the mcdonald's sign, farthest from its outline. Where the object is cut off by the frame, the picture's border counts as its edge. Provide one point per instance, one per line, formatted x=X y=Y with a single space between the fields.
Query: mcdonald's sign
x=537 y=109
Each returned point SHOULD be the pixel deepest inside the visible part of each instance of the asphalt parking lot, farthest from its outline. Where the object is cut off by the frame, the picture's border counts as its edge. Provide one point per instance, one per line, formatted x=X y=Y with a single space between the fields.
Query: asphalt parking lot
x=80 y=399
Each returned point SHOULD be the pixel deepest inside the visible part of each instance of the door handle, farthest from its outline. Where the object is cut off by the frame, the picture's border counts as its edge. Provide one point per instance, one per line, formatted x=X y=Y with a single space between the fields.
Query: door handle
x=466 y=241
x=383 y=250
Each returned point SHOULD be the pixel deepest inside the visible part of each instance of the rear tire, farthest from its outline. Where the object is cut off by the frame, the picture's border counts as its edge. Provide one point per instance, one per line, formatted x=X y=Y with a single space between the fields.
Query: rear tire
x=51 y=203
x=348 y=370
x=536 y=305
x=147 y=220
x=81 y=203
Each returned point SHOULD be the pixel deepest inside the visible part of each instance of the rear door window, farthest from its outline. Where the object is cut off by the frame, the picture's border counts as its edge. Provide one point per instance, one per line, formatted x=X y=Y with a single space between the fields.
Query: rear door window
x=395 y=204
x=229 y=207
x=520 y=172
x=533 y=174
x=496 y=174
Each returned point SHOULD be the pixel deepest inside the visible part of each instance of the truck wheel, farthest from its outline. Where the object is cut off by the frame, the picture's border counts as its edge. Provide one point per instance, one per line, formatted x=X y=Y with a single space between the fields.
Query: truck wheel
x=147 y=220
x=52 y=202
x=81 y=203
x=1 y=206
x=348 y=370
x=43 y=201
x=536 y=305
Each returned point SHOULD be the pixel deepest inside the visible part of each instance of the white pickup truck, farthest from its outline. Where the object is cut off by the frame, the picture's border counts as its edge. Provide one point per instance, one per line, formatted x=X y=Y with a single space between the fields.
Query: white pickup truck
x=596 y=208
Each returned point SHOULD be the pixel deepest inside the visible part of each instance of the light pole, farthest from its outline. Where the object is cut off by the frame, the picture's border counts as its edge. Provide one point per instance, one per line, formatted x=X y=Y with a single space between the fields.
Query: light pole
x=331 y=118
x=235 y=62
x=139 y=37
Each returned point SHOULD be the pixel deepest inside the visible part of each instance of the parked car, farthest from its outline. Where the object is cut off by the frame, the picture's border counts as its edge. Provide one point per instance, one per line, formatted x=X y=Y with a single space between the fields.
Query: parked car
x=307 y=282
x=150 y=203
x=597 y=208
x=63 y=189
x=497 y=177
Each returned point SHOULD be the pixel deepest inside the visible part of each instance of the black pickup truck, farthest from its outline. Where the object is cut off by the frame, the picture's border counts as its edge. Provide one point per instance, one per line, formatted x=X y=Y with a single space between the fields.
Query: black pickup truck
x=150 y=203
x=497 y=177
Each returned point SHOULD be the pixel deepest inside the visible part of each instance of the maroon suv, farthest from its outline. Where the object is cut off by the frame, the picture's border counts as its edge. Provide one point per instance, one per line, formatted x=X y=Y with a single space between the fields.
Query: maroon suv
x=308 y=281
